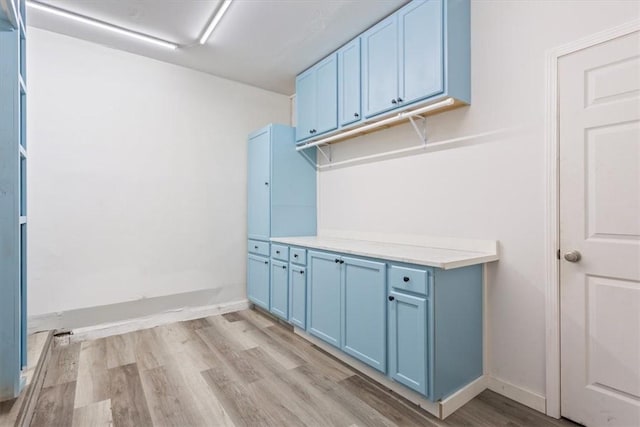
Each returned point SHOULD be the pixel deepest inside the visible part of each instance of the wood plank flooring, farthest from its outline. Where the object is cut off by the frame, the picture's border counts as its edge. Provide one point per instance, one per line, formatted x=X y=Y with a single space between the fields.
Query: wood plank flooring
x=239 y=369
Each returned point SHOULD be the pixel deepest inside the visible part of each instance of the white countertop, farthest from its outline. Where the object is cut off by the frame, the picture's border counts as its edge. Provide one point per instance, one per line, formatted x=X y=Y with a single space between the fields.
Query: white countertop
x=445 y=258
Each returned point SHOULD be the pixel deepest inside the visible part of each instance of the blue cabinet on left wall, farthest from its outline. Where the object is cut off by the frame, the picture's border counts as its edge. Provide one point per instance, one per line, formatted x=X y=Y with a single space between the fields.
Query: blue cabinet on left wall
x=281 y=201
x=13 y=206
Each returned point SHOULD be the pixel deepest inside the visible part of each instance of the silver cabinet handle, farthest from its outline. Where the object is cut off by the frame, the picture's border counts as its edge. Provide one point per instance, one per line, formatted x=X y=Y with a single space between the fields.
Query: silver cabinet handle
x=573 y=256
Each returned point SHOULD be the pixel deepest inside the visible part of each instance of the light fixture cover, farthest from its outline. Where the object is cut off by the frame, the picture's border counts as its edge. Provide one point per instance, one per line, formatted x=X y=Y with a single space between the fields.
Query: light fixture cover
x=102 y=25
x=215 y=21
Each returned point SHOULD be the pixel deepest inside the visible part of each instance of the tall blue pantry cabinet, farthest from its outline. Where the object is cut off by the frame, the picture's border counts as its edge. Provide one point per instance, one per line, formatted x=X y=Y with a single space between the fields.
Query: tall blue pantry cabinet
x=13 y=214
x=281 y=201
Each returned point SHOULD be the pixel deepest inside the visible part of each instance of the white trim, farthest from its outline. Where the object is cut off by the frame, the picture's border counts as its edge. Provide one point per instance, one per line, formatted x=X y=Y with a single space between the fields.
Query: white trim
x=517 y=393
x=130 y=325
x=552 y=234
x=440 y=409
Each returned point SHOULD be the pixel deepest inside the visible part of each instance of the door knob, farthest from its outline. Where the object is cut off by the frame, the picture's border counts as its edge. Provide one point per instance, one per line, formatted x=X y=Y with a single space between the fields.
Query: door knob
x=573 y=256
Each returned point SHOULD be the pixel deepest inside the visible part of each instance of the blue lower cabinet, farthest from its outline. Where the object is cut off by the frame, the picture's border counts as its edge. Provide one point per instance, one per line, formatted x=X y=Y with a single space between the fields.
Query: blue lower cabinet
x=323 y=299
x=364 y=318
x=298 y=296
x=280 y=289
x=258 y=280
x=408 y=341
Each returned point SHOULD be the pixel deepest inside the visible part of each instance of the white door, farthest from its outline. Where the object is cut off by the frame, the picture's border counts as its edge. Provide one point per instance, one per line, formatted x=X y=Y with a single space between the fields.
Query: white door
x=599 y=130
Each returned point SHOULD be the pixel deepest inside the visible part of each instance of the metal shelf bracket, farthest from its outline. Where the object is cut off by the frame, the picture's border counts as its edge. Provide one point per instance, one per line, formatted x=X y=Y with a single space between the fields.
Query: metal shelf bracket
x=422 y=134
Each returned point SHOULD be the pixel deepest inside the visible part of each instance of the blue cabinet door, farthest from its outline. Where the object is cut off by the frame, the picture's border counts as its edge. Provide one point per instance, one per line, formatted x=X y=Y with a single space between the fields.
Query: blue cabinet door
x=323 y=299
x=408 y=340
x=298 y=296
x=364 y=301
x=421 y=55
x=349 y=83
x=258 y=190
x=280 y=289
x=326 y=95
x=380 y=67
x=258 y=280
x=305 y=104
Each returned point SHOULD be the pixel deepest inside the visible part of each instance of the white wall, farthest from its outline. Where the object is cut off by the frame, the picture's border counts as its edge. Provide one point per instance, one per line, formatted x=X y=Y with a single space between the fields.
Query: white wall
x=137 y=173
x=493 y=190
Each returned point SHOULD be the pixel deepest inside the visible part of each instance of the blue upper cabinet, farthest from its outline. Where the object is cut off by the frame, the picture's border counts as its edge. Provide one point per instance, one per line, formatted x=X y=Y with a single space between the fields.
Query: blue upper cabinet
x=281 y=186
x=317 y=99
x=420 y=54
x=380 y=67
x=402 y=58
x=305 y=104
x=421 y=68
x=349 y=83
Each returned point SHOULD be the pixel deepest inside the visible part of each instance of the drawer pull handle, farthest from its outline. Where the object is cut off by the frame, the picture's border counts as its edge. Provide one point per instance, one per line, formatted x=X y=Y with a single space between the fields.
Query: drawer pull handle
x=391 y=298
x=406 y=279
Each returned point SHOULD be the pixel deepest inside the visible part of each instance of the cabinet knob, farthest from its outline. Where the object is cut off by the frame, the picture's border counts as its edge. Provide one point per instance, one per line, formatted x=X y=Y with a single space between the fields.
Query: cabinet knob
x=399 y=99
x=405 y=278
x=356 y=115
x=278 y=252
x=255 y=247
x=341 y=261
x=295 y=255
x=310 y=130
x=337 y=260
x=266 y=262
x=266 y=183
x=284 y=267
x=301 y=272
x=391 y=298
x=393 y=101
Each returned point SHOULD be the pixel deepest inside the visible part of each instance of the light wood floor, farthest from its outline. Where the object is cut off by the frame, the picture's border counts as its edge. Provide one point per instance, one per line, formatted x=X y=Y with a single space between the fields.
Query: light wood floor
x=9 y=409
x=237 y=369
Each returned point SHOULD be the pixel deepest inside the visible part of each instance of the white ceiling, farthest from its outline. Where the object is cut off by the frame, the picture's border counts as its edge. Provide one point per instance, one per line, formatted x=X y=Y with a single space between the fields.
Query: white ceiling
x=264 y=43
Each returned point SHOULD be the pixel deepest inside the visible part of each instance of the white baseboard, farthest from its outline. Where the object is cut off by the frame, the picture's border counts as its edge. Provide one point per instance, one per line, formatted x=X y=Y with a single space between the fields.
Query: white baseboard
x=130 y=325
x=517 y=393
x=458 y=399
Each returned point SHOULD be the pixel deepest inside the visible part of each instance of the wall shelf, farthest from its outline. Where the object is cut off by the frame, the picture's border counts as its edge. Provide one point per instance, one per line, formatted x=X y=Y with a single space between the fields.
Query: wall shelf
x=386 y=122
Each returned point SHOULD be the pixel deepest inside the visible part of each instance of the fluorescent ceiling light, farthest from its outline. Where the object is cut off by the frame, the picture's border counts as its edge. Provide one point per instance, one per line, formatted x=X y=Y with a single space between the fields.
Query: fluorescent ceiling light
x=214 y=22
x=103 y=25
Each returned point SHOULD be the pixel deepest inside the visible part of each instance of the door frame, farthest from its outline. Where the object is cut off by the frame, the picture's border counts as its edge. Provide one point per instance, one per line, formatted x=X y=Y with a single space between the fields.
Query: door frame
x=552 y=210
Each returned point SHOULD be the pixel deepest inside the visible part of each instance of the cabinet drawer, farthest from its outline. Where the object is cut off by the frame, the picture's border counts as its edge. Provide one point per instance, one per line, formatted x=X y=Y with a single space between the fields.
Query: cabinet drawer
x=298 y=256
x=409 y=279
x=258 y=247
x=280 y=252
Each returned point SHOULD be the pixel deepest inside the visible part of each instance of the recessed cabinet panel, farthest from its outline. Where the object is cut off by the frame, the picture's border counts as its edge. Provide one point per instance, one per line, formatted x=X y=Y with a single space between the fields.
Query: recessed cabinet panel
x=408 y=340
x=380 y=67
x=305 y=104
x=323 y=316
x=349 y=83
x=258 y=181
x=298 y=296
x=326 y=96
x=258 y=280
x=280 y=289
x=421 y=58
x=365 y=306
